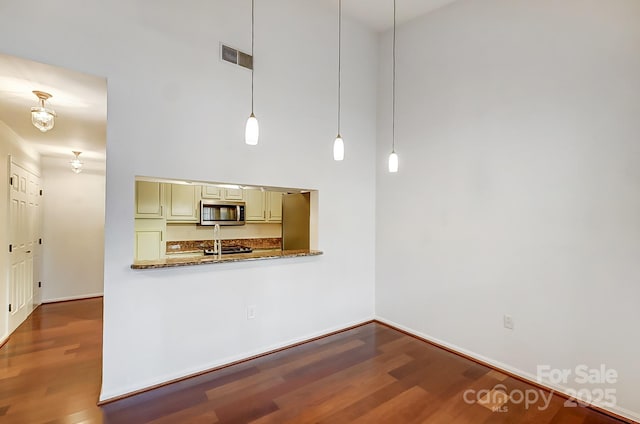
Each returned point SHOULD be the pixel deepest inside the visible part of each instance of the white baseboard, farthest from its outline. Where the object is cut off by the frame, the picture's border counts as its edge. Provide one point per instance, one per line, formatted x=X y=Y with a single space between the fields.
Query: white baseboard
x=3 y=339
x=79 y=297
x=112 y=395
x=622 y=412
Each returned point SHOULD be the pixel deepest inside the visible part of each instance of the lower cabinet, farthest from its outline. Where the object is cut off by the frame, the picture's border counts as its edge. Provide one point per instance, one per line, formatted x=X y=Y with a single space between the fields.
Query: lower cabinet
x=149 y=239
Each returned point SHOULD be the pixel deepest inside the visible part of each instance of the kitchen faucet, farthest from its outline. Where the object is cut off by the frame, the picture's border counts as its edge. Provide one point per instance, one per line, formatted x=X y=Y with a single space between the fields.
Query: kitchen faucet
x=217 y=245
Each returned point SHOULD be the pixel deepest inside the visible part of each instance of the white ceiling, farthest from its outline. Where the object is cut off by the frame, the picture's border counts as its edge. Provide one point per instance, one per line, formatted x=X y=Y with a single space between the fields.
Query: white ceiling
x=378 y=14
x=79 y=100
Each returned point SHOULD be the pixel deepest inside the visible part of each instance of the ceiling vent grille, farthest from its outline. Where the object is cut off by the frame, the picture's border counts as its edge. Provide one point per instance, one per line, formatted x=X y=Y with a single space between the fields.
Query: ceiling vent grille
x=236 y=57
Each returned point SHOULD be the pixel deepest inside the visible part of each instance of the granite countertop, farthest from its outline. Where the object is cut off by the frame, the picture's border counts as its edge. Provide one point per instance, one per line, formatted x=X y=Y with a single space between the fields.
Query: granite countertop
x=170 y=262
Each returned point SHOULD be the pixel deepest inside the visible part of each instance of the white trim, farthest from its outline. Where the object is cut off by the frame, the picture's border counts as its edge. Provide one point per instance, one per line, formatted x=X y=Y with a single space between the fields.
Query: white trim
x=112 y=395
x=502 y=366
x=79 y=297
x=13 y=161
x=4 y=339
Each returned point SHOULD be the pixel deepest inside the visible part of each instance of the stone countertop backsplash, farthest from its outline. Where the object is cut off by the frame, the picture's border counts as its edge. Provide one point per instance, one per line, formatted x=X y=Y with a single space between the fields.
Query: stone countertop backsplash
x=199 y=245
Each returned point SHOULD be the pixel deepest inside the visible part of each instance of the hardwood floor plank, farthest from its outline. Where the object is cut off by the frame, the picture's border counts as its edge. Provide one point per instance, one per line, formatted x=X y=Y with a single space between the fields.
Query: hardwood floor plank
x=50 y=374
x=407 y=407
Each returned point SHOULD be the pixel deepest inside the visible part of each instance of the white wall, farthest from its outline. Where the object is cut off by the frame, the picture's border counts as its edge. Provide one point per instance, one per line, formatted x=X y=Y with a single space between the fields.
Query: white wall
x=73 y=219
x=176 y=111
x=518 y=136
x=10 y=144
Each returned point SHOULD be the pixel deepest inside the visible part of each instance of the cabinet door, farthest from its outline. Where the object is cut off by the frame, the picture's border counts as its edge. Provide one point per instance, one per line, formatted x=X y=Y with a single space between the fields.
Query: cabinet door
x=182 y=203
x=149 y=197
x=233 y=194
x=149 y=240
x=255 y=210
x=274 y=206
x=212 y=192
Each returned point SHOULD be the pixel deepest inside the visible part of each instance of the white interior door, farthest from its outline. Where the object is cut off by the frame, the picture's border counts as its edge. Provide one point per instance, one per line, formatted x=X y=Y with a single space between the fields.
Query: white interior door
x=23 y=220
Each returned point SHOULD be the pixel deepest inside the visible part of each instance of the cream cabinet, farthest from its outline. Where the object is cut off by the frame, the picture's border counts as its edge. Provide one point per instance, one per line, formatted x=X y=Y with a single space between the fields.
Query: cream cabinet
x=183 y=203
x=233 y=194
x=274 y=206
x=150 y=239
x=255 y=210
x=212 y=192
x=263 y=206
x=149 y=200
x=220 y=193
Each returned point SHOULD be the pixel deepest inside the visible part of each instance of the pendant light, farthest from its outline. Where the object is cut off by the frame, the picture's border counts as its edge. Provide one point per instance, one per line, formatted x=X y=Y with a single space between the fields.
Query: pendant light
x=393 y=157
x=42 y=117
x=252 y=130
x=338 y=144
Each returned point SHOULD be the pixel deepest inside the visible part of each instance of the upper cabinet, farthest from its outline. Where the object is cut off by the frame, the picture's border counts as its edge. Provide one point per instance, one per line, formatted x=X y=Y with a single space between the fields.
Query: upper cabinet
x=212 y=192
x=183 y=203
x=263 y=206
x=274 y=206
x=233 y=194
x=180 y=203
x=149 y=199
x=220 y=193
x=255 y=210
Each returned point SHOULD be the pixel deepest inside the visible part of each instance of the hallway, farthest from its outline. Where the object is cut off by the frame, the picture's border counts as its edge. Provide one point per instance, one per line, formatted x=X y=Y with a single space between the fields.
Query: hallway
x=50 y=367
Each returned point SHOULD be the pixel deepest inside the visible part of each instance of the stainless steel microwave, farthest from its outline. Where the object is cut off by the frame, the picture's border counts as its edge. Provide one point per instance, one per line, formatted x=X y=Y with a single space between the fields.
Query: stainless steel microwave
x=223 y=213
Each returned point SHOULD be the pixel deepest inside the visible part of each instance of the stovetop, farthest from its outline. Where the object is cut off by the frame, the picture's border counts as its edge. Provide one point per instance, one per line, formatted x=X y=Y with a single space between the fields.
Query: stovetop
x=227 y=250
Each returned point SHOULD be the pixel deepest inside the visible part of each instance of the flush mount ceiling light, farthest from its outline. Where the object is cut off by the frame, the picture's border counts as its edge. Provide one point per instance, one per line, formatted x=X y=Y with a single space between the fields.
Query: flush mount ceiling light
x=76 y=165
x=393 y=156
x=42 y=117
x=338 y=144
x=252 y=130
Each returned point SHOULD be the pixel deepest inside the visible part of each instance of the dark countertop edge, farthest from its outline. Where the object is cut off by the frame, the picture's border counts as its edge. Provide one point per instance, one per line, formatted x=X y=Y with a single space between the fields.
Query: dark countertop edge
x=207 y=260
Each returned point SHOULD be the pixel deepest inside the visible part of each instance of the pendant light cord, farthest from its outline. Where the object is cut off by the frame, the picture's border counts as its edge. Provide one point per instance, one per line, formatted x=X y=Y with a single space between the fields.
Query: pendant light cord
x=393 y=113
x=252 y=43
x=339 y=60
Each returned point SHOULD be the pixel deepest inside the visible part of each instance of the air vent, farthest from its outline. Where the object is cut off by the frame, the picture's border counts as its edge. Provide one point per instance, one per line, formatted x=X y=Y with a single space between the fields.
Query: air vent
x=235 y=56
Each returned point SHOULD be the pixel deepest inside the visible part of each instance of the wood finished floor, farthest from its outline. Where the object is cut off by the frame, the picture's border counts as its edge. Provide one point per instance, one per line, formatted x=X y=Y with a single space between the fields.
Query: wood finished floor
x=50 y=373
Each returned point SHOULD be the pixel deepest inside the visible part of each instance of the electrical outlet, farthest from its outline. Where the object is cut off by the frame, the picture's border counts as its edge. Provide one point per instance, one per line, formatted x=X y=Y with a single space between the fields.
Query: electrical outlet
x=508 y=322
x=251 y=311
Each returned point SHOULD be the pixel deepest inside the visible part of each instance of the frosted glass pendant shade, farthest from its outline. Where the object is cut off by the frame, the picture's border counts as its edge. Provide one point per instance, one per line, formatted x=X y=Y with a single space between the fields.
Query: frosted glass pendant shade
x=393 y=162
x=251 y=131
x=42 y=117
x=338 y=148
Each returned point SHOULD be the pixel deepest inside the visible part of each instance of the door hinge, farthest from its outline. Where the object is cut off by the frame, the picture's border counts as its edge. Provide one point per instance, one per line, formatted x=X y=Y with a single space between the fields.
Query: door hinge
x=39 y=241
x=9 y=307
x=10 y=248
x=10 y=181
x=40 y=192
x=39 y=283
